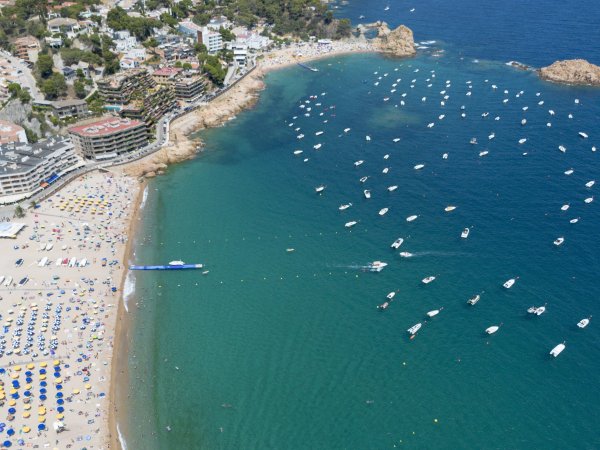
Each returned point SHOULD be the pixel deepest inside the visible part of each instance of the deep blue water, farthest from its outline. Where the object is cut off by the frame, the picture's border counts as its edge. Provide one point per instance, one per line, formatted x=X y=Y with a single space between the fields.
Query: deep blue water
x=273 y=349
x=534 y=32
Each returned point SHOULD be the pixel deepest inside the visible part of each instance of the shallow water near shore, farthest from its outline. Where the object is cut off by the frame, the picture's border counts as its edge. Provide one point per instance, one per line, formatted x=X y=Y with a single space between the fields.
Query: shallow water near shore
x=277 y=349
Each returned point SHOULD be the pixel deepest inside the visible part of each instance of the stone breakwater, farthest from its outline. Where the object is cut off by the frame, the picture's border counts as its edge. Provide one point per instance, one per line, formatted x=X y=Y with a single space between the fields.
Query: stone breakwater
x=573 y=71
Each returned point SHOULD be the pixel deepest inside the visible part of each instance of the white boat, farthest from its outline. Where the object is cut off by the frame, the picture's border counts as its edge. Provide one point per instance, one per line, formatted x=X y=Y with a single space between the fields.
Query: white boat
x=492 y=136
x=575 y=220
x=318 y=133
x=363 y=179
x=346 y=130
x=383 y=306
x=465 y=233
x=583 y=135
x=297 y=152
x=300 y=136
x=392 y=188
x=473 y=300
x=562 y=148
x=484 y=153
x=537 y=310
x=320 y=188
x=406 y=254
x=385 y=170
x=430 y=125
x=383 y=211
x=445 y=156
x=589 y=200
x=344 y=207
x=350 y=224
x=368 y=138
x=411 y=218
x=290 y=250
x=509 y=283
x=386 y=156
x=397 y=243
x=564 y=207
x=522 y=140
x=584 y=322
x=434 y=313
x=449 y=208
x=358 y=163
x=492 y=329
x=558 y=241
x=428 y=280
x=317 y=146
x=413 y=330
x=367 y=193
x=569 y=172
x=419 y=166
x=391 y=295
x=377 y=266
x=589 y=184
x=558 y=349
x=473 y=141
x=523 y=121
x=396 y=139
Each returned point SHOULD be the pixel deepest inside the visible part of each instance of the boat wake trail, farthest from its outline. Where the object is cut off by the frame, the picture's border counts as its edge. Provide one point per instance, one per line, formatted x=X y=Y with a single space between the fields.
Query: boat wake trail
x=435 y=253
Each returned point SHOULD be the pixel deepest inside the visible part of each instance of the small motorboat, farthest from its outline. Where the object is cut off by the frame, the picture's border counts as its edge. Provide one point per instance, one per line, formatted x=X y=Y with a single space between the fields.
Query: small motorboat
x=385 y=170
x=317 y=146
x=419 y=166
x=396 y=139
x=346 y=130
x=537 y=310
x=318 y=133
x=392 y=188
x=484 y=153
x=589 y=184
x=367 y=193
x=411 y=218
x=523 y=121
x=376 y=266
x=522 y=140
x=569 y=172
x=558 y=241
x=473 y=300
x=406 y=254
x=558 y=349
x=383 y=306
x=473 y=141
x=413 y=330
x=176 y=263
x=584 y=322
x=383 y=211
x=564 y=207
x=493 y=329
x=397 y=243
x=575 y=220
x=562 y=148
x=391 y=295
x=434 y=313
x=583 y=135
x=589 y=200
x=320 y=188
x=509 y=283
x=350 y=224
x=290 y=250
x=297 y=152
x=449 y=208
x=465 y=233
x=344 y=207
x=428 y=280
x=358 y=163
x=363 y=179
x=445 y=156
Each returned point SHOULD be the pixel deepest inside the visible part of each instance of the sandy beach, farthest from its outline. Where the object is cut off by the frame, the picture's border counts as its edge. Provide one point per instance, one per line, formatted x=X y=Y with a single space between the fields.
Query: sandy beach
x=61 y=287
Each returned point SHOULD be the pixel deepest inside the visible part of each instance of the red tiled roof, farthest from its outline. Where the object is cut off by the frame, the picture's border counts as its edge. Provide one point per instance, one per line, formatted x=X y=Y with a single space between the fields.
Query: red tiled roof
x=105 y=126
x=167 y=71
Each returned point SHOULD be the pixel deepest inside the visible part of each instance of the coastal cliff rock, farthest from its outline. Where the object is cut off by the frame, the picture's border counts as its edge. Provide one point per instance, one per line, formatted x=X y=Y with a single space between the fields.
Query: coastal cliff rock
x=181 y=147
x=572 y=71
x=398 y=42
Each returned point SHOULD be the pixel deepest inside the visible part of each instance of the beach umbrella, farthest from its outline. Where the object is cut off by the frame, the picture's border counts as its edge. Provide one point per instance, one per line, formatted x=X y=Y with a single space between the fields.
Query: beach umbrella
x=42 y=371
x=12 y=411
x=17 y=368
x=43 y=384
x=44 y=363
x=41 y=410
x=60 y=401
x=26 y=415
x=41 y=419
x=60 y=409
x=6 y=444
x=14 y=375
x=43 y=397
x=13 y=391
x=27 y=394
x=27 y=387
x=15 y=383
x=41 y=427
x=2 y=370
x=2 y=396
x=88 y=386
x=42 y=391
x=28 y=373
x=10 y=432
x=60 y=416
x=42 y=377
x=26 y=429
x=59 y=395
x=12 y=403
x=75 y=391
x=58 y=387
x=27 y=407
x=30 y=366
x=28 y=380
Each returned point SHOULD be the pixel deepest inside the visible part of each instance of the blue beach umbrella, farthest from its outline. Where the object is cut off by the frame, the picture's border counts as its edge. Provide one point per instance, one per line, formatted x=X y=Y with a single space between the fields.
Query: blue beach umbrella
x=7 y=443
x=43 y=397
x=10 y=432
x=2 y=370
x=15 y=396
x=11 y=411
x=59 y=395
x=58 y=387
x=60 y=409
x=60 y=401
x=15 y=384
x=42 y=371
x=42 y=391
x=41 y=427
x=44 y=383
x=29 y=380
x=28 y=373
x=27 y=394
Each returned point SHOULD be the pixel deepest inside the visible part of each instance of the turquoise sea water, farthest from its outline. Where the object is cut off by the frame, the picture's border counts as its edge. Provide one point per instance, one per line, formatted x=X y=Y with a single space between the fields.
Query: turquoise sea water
x=273 y=349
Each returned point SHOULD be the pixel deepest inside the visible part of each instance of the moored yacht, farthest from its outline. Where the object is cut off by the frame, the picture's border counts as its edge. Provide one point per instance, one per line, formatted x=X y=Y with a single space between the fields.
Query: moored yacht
x=363 y=179
x=419 y=166
x=465 y=233
x=320 y=188
x=383 y=211
x=492 y=329
x=383 y=306
x=537 y=310
x=350 y=224
x=391 y=295
x=435 y=312
x=584 y=322
x=562 y=148
x=413 y=330
x=509 y=283
x=449 y=208
x=397 y=243
x=406 y=254
x=558 y=349
x=558 y=241
x=583 y=135
x=344 y=207
x=473 y=300
x=411 y=218
x=367 y=193
x=428 y=280
x=589 y=184
x=358 y=163
x=392 y=188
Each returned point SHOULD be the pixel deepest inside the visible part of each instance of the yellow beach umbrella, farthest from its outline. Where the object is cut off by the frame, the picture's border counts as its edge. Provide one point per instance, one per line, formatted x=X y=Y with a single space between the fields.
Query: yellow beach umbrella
x=12 y=403
x=26 y=415
x=56 y=362
x=60 y=416
x=17 y=368
x=41 y=410
x=58 y=381
x=31 y=366
x=75 y=391
x=27 y=387
x=2 y=396
x=42 y=377
x=41 y=419
x=27 y=407
x=43 y=364
x=88 y=386
x=26 y=429
x=13 y=391
x=14 y=376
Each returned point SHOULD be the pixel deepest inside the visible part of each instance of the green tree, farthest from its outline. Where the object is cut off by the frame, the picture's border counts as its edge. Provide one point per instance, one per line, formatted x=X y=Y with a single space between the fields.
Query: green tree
x=32 y=137
x=44 y=65
x=344 y=28
x=24 y=96
x=54 y=87
x=19 y=212
x=14 y=89
x=79 y=89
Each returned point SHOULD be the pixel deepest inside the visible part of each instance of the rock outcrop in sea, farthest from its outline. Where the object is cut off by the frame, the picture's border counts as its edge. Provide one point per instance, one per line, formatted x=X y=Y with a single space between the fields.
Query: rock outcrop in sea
x=572 y=71
x=397 y=42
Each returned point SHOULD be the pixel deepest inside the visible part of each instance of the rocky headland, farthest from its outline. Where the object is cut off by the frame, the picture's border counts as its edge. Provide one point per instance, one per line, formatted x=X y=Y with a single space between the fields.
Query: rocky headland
x=572 y=71
x=397 y=42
